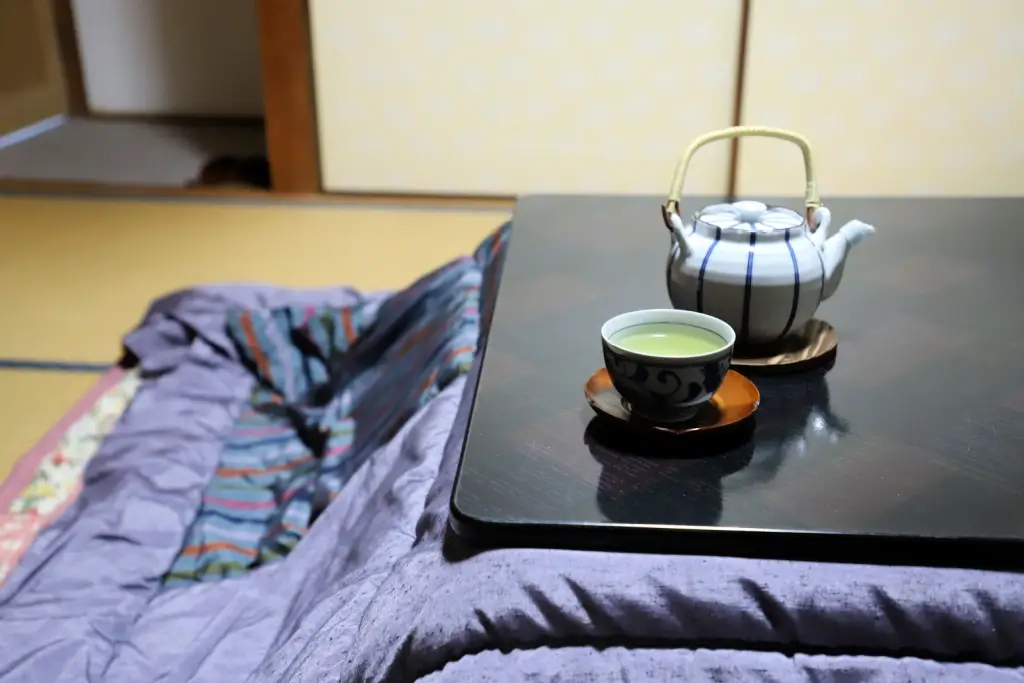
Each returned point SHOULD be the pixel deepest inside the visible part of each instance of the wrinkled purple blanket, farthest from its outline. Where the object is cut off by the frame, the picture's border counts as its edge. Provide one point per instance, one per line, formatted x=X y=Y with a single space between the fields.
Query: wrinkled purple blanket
x=380 y=591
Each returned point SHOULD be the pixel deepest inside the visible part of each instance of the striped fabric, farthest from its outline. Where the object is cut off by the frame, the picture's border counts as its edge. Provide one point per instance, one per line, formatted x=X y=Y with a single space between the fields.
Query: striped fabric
x=332 y=386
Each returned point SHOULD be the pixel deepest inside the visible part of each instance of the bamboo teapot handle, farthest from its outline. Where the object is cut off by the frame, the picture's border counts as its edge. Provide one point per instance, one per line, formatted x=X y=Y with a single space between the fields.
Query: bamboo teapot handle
x=811 y=200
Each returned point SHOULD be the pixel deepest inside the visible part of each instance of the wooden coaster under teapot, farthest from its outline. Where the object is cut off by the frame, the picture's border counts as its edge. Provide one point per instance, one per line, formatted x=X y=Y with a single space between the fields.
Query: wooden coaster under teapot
x=815 y=343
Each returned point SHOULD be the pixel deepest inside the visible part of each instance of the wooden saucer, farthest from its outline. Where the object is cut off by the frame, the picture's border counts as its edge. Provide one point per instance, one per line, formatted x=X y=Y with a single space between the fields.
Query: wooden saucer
x=814 y=343
x=735 y=400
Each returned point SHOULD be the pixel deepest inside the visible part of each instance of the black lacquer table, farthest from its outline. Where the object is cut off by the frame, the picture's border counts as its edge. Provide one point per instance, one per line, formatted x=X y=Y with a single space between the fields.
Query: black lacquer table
x=907 y=447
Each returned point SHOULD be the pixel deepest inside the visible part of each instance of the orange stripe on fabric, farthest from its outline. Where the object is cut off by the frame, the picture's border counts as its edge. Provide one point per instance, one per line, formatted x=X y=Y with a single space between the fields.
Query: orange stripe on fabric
x=430 y=380
x=257 y=352
x=246 y=471
x=346 y=320
x=459 y=351
x=294 y=528
x=430 y=329
x=194 y=550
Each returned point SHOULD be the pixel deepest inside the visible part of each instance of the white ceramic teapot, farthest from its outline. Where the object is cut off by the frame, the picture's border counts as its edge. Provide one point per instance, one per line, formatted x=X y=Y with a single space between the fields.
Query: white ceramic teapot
x=763 y=269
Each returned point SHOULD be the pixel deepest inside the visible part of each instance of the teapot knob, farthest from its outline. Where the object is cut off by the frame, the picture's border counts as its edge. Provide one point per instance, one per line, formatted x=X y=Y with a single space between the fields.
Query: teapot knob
x=749 y=212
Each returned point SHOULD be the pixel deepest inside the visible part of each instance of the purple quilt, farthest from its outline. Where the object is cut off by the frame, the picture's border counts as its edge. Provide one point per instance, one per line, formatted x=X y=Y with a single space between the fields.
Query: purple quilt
x=380 y=590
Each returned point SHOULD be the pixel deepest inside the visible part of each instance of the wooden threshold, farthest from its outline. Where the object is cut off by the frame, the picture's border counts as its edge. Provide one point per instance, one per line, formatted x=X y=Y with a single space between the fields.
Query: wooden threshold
x=286 y=59
x=231 y=192
x=192 y=120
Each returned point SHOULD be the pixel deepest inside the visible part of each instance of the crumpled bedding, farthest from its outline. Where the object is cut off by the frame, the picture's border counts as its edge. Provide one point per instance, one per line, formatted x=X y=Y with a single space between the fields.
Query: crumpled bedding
x=331 y=385
x=380 y=590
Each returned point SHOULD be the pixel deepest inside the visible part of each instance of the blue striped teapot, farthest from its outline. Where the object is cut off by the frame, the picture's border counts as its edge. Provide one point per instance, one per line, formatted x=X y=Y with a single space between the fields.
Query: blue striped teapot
x=762 y=269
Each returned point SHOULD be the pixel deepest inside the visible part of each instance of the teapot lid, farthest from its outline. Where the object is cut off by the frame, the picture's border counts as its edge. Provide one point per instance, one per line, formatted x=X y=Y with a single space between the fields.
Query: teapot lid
x=750 y=216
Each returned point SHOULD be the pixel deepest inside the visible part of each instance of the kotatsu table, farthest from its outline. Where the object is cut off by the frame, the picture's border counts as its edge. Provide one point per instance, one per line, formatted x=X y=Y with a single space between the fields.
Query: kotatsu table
x=909 y=447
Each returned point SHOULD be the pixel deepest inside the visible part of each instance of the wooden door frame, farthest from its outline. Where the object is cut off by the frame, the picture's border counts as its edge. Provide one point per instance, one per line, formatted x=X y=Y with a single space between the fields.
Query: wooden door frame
x=289 y=104
x=38 y=102
x=737 y=100
x=289 y=97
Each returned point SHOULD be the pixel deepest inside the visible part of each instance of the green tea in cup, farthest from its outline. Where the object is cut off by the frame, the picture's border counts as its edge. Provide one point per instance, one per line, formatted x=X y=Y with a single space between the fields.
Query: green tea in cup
x=667 y=339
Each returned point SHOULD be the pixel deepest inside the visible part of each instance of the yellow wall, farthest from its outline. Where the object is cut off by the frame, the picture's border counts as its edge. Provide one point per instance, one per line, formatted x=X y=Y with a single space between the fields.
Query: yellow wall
x=465 y=96
x=898 y=97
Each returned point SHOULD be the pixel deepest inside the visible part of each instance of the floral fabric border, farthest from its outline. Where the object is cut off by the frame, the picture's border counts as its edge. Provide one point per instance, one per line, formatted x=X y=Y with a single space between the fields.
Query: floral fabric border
x=48 y=477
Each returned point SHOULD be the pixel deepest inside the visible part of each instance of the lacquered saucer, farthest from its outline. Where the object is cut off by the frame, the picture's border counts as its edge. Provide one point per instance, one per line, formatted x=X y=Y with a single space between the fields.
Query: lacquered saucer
x=815 y=343
x=736 y=400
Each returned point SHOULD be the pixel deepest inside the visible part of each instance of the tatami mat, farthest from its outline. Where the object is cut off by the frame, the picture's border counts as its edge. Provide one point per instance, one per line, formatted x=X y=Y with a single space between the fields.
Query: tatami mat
x=76 y=274
x=31 y=402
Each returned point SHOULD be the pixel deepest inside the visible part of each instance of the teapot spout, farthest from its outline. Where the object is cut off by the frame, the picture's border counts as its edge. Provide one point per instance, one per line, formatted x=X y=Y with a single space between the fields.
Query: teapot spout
x=836 y=249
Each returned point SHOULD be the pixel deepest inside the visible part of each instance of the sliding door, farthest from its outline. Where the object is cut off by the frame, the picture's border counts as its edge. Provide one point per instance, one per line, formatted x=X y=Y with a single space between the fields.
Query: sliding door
x=470 y=97
x=907 y=97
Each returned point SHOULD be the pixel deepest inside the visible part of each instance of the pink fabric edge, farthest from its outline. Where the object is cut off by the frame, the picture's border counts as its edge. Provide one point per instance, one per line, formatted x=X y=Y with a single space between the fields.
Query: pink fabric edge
x=25 y=468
